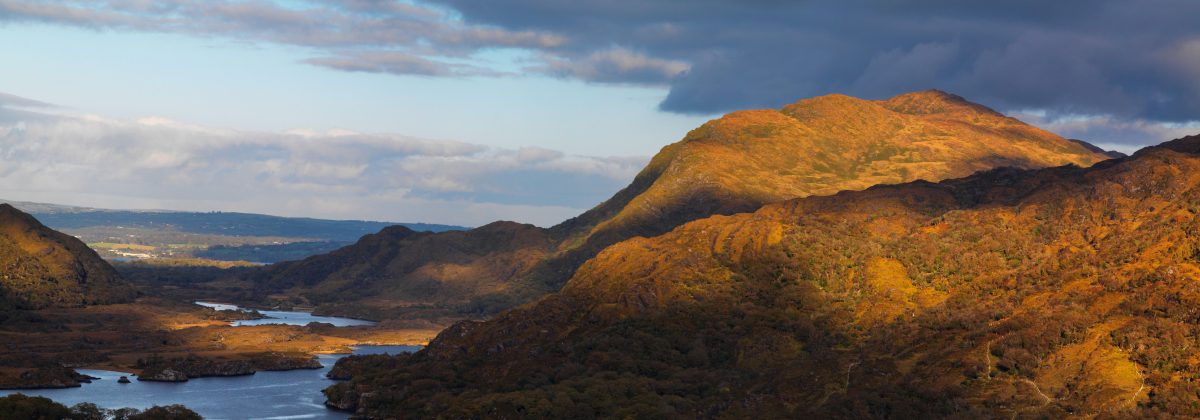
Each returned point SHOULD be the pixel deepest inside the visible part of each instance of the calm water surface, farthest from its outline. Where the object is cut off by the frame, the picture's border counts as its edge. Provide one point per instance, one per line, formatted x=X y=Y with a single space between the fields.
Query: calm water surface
x=292 y=394
x=288 y=317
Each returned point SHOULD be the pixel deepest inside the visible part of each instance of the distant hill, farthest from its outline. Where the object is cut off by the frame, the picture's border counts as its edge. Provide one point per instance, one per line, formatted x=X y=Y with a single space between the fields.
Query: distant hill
x=40 y=267
x=218 y=223
x=732 y=164
x=1063 y=292
x=399 y=267
x=211 y=235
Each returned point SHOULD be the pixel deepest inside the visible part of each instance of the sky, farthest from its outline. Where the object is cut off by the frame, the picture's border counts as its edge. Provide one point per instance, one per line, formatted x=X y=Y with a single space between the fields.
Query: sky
x=465 y=111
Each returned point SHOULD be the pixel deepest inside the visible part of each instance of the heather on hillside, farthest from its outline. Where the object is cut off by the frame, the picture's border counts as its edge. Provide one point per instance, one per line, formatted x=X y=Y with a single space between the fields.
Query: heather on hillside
x=1053 y=292
x=732 y=164
x=41 y=267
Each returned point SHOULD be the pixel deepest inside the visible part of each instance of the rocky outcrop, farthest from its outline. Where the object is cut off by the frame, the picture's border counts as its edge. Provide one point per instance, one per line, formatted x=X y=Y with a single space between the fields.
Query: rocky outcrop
x=233 y=314
x=162 y=374
x=182 y=369
x=49 y=377
x=341 y=397
x=285 y=361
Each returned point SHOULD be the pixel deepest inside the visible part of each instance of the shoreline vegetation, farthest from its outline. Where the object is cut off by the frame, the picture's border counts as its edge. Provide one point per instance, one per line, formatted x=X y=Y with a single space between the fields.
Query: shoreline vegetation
x=21 y=406
x=162 y=340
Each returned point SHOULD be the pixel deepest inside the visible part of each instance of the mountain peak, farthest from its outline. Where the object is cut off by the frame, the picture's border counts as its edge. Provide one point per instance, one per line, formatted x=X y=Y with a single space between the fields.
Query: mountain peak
x=817 y=146
x=933 y=101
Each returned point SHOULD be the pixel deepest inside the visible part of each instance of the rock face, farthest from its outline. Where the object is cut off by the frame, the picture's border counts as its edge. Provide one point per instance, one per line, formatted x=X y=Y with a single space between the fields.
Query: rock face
x=733 y=164
x=40 y=267
x=1011 y=293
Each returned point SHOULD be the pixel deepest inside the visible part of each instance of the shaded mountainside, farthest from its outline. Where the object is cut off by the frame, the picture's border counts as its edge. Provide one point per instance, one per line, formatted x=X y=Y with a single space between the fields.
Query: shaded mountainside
x=729 y=165
x=399 y=267
x=1011 y=293
x=40 y=267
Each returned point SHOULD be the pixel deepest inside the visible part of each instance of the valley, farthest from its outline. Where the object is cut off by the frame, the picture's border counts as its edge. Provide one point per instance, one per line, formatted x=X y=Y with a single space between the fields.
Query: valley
x=599 y=209
x=896 y=266
x=1051 y=293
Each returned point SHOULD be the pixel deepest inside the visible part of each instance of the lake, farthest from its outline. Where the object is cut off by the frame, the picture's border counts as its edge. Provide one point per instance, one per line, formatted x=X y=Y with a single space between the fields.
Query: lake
x=288 y=317
x=292 y=394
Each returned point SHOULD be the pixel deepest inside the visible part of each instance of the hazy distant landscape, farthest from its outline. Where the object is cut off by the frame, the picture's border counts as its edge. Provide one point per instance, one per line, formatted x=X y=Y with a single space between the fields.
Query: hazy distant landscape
x=218 y=236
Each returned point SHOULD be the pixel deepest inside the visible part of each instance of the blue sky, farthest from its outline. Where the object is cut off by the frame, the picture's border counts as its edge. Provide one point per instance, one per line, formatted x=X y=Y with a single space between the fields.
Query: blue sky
x=258 y=86
x=465 y=111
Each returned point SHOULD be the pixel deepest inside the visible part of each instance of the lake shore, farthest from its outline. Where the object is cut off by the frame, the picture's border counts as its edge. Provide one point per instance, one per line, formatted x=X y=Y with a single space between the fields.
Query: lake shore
x=44 y=351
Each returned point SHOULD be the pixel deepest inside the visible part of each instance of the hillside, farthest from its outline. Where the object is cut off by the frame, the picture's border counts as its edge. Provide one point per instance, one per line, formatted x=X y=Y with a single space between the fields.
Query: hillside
x=40 y=267
x=1061 y=292
x=816 y=146
x=732 y=164
x=399 y=267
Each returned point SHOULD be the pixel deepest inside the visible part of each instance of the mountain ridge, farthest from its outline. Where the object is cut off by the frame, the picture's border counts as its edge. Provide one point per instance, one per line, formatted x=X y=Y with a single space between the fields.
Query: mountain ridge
x=745 y=159
x=1051 y=292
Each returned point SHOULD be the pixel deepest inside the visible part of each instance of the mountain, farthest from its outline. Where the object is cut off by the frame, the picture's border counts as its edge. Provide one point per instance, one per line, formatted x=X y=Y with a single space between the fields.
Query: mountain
x=40 y=267
x=817 y=146
x=399 y=267
x=1051 y=293
x=1110 y=153
x=729 y=165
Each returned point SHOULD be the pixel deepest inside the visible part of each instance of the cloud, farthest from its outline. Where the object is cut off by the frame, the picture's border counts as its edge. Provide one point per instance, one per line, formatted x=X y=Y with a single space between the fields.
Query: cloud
x=10 y=100
x=398 y=63
x=160 y=163
x=616 y=65
x=1131 y=61
x=1108 y=132
x=387 y=36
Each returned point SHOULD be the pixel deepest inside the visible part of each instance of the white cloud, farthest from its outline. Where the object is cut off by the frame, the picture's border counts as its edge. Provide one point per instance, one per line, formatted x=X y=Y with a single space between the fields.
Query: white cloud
x=614 y=65
x=1109 y=132
x=154 y=162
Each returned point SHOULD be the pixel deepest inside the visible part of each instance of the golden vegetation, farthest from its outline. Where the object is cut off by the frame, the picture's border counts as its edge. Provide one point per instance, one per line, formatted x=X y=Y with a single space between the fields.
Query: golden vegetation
x=732 y=164
x=116 y=336
x=1061 y=292
x=40 y=267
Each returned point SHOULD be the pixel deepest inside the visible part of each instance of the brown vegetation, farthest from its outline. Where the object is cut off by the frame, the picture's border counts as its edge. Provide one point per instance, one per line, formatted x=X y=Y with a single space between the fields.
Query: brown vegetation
x=40 y=267
x=39 y=349
x=729 y=165
x=1011 y=293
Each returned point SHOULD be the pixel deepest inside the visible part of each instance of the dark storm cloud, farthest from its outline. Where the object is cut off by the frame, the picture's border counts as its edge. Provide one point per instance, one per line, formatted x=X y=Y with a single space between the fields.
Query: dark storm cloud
x=1129 y=59
x=1137 y=62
